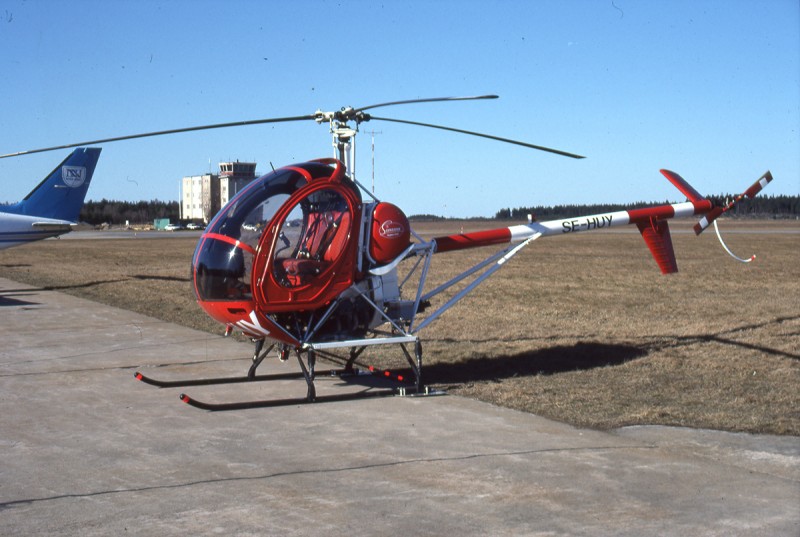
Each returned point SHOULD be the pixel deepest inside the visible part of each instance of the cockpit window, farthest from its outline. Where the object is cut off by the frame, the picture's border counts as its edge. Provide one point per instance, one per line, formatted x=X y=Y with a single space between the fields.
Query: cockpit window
x=257 y=220
x=222 y=270
x=312 y=237
x=246 y=216
x=224 y=258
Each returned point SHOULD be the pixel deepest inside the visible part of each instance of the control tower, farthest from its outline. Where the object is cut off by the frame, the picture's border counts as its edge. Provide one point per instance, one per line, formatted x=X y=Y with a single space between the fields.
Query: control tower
x=233 y=176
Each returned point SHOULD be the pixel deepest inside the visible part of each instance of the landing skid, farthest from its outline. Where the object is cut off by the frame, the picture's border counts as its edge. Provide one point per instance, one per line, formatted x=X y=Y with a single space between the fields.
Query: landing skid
x=182 y=383
x=307 y=372
x=242 y=405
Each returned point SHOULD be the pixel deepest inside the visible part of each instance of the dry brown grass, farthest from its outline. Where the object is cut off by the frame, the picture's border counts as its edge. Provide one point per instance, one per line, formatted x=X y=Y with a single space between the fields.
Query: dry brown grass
x=582 y=328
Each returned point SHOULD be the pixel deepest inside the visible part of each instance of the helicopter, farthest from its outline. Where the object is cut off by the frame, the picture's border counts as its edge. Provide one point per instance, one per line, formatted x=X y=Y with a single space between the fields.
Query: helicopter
x=306 y=261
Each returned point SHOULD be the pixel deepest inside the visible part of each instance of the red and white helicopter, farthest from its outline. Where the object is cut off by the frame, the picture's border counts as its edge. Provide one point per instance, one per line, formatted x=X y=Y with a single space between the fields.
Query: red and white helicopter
x=308 y=260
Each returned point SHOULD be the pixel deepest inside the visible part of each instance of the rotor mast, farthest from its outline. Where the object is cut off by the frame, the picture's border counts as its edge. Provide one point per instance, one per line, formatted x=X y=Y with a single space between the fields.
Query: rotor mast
x=344 y=143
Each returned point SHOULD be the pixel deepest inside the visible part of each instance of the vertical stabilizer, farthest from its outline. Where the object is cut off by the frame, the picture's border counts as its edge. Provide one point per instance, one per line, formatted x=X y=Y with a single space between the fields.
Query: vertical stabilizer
x=656 y=235
x=61 y=194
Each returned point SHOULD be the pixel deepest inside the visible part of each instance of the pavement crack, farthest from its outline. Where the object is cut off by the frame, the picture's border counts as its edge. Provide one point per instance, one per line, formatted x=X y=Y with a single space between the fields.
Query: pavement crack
x=315 y=471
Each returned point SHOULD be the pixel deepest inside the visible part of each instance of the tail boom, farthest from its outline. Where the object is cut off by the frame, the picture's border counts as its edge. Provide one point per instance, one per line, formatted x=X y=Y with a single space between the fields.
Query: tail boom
x=651 y=222
x=564 y=226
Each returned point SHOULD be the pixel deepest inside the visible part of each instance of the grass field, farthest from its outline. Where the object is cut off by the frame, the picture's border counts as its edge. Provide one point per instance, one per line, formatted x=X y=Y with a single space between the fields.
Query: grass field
x=582 y=328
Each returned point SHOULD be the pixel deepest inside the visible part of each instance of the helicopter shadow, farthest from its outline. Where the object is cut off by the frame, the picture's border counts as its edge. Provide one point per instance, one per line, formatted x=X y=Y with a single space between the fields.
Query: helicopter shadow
x=731 y=337
x=584 y=356
x=549 y=361
x=95 y=283
x=7 y=300
x=84 y=285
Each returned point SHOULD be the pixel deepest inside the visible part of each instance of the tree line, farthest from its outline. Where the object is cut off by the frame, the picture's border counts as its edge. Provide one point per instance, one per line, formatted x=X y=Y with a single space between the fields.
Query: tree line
x=780 y=206
x=144 y=212
x=134 y=212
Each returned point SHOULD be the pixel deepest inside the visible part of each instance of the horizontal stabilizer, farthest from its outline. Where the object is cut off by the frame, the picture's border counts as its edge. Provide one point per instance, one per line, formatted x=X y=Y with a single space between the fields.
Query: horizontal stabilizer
x=63 y=227
x=681 y=184
x=659 y=241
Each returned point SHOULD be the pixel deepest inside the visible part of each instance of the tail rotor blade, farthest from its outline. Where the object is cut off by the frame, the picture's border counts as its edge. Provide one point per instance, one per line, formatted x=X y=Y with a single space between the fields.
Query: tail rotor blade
x=750 y=193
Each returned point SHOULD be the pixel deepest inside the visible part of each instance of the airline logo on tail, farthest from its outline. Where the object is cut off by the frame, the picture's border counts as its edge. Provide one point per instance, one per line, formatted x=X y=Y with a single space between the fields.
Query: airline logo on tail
x=73 y=176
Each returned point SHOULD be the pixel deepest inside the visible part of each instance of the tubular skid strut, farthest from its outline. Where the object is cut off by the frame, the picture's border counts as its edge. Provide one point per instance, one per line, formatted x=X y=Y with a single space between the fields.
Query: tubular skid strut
x=308 y=373
x=258 y=357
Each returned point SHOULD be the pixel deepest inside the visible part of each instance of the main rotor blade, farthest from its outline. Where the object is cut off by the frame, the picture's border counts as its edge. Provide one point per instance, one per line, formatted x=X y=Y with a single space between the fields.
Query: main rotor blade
x=431 y=100
x=159 y=133
x=491 y=137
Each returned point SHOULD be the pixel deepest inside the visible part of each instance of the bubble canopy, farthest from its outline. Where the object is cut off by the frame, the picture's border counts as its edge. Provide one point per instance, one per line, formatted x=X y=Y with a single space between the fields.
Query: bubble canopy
x=224 y=257
x=286 y=243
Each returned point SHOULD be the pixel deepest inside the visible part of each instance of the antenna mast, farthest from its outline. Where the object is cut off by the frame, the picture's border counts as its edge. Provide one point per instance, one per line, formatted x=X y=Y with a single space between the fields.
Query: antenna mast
x=373 y=133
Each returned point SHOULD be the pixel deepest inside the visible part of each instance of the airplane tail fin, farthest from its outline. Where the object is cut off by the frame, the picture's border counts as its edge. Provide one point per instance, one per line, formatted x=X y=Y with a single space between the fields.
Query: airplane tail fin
x=60 y=195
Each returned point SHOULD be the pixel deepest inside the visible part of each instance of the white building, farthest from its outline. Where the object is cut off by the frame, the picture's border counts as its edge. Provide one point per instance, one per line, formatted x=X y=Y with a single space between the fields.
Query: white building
x=196 y=196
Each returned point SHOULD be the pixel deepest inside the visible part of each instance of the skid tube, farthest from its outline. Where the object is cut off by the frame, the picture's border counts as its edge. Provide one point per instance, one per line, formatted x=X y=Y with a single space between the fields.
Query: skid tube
x=182 y=383
x=269 y=403
x=309 y=374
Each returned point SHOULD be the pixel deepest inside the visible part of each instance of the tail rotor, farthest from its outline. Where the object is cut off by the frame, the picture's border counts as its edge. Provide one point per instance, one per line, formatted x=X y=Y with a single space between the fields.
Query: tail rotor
x=716 y=212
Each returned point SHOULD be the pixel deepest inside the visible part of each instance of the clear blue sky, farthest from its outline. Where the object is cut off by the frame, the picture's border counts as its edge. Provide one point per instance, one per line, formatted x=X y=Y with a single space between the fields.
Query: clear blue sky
x=709 y=89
